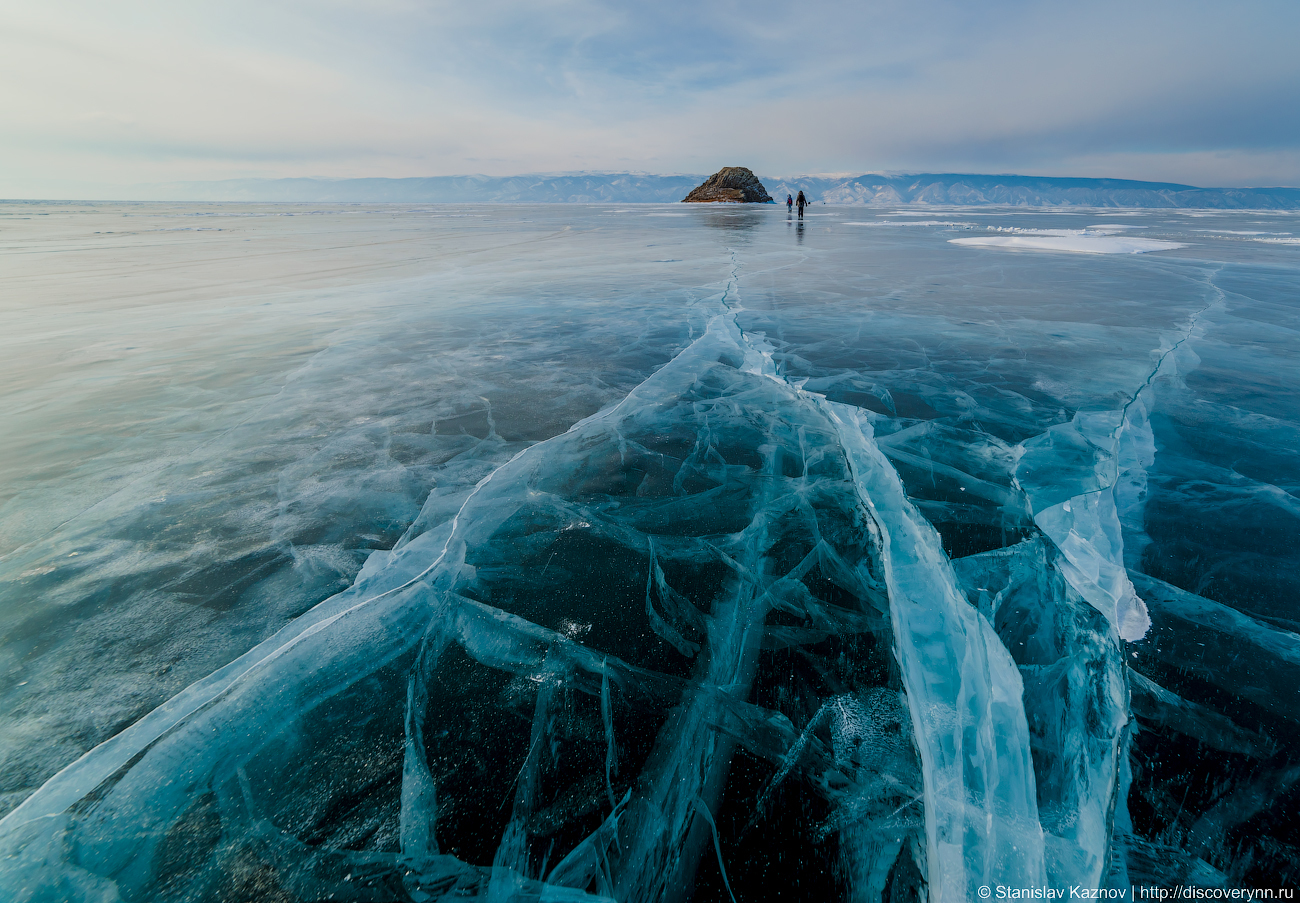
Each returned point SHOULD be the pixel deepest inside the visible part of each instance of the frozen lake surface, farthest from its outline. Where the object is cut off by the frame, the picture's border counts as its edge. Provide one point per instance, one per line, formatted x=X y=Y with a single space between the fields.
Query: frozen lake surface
x=595 y=552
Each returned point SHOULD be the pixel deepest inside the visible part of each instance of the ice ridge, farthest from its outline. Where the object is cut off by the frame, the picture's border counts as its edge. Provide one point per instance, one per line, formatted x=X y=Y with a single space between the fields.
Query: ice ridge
x=713 y=598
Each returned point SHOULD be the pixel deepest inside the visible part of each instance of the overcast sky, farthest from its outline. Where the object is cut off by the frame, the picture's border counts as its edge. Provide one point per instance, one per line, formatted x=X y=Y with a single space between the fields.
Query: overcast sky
x=128 y=92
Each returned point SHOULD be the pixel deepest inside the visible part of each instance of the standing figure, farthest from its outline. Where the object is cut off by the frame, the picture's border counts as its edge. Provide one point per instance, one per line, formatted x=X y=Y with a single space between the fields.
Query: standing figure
x=789 y=202
x=802 y=202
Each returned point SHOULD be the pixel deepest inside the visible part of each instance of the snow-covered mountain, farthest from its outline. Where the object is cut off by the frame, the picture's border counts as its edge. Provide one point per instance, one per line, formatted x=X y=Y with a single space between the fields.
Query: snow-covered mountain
x=633 y=188
x=1025 y=191
x=544 y=188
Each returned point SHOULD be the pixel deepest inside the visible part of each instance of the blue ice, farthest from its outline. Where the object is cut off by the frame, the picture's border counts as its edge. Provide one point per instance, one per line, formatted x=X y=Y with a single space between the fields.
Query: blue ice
x=681 y=556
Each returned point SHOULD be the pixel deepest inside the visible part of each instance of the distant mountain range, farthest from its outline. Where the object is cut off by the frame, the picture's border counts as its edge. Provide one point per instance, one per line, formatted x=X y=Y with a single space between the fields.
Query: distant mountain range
x=1028 y=191
x=882 y=190
x=571 y=188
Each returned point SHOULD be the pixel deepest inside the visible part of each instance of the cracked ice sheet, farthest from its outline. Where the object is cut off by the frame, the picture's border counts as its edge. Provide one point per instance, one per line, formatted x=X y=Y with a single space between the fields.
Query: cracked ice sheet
x=227 y=468
x=657 y=826
x=1081 y=460
x=961 y=685
x=1205 y=488
x=897 y=324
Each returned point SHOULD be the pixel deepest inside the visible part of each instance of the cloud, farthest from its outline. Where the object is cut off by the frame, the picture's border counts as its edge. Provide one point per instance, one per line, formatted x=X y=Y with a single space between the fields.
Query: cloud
x=142 y=91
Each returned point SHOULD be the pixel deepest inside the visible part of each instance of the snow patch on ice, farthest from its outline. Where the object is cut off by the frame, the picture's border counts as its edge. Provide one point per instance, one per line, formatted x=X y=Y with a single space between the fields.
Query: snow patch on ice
x=926 y=222
x=1093 y=240
x=1238 y=232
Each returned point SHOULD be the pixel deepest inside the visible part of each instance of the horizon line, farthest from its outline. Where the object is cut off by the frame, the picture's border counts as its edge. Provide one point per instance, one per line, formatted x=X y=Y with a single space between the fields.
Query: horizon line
x=840 y=175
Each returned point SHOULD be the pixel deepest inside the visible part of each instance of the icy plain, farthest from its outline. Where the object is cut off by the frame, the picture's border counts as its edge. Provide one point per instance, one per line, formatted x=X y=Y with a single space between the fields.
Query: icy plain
x=380 y=552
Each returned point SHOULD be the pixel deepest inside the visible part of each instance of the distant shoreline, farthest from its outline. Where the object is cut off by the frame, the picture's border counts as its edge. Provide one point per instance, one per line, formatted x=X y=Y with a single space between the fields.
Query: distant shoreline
x=868 y=190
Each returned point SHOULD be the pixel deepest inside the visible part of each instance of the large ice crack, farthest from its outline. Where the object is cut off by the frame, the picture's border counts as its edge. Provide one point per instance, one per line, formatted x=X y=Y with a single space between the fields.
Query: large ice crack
x=1086 y=482
x=711 y=598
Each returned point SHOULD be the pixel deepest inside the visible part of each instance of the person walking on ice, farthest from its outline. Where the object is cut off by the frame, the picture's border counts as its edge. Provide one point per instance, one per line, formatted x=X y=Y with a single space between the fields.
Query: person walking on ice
x=789 y=202
x=802 y=202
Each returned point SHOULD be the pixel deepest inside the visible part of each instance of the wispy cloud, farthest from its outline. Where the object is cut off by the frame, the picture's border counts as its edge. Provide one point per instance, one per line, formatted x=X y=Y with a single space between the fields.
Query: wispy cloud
x=143 y=91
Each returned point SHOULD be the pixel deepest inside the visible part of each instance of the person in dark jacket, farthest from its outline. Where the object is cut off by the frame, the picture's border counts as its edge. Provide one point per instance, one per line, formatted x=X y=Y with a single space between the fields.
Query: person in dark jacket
x=801 y=202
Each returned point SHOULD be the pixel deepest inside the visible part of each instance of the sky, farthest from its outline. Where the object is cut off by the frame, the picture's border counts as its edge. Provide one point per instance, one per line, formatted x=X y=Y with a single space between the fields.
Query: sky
x=97 y=94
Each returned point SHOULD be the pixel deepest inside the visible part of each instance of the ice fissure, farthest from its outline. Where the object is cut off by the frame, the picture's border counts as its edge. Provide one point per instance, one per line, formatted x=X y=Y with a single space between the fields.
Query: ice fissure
x=699 y=627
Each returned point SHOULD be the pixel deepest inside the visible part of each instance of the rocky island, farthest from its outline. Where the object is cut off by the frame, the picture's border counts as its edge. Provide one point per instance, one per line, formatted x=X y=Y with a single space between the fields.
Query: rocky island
x=730 y=185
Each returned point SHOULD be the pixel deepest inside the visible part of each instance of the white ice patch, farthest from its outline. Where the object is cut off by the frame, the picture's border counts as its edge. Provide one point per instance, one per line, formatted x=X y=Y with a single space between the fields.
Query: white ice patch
x=927 y=222
x=1238 y=232
x=1093 y=240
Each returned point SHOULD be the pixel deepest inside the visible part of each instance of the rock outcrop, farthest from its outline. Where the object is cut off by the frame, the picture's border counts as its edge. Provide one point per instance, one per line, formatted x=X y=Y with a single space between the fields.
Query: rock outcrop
x=730 y=185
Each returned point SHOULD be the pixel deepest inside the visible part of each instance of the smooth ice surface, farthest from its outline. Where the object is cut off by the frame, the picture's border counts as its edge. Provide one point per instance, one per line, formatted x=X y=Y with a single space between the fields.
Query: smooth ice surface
x=583 y=552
